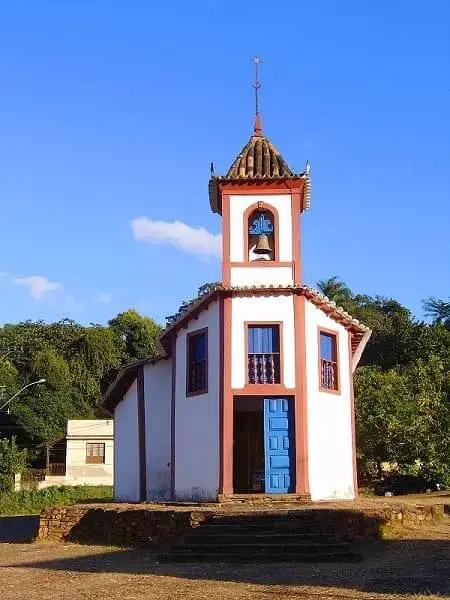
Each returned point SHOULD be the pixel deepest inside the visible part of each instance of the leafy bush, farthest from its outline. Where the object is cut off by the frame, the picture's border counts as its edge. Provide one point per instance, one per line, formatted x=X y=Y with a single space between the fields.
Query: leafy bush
x=30 y=502
x=12 y=461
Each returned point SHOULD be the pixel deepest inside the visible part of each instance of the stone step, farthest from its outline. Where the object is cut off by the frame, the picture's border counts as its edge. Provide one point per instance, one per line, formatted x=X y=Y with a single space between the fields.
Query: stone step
x=276 y=546
x=212 y=536
x=229 y=557
x=277 y=526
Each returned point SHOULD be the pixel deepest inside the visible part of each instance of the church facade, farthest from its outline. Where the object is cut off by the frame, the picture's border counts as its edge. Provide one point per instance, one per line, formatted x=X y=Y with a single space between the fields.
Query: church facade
x=254 y=391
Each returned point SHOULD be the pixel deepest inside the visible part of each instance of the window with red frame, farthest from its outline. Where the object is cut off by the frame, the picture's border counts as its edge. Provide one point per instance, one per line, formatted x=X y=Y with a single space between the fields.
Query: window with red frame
x=328 y=361
x=263 y=360
x=197 y=363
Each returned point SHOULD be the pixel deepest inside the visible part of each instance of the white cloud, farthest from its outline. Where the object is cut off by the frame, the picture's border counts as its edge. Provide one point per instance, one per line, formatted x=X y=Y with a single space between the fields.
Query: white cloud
x=193 y=240
x=103 y=298
x=38 y=285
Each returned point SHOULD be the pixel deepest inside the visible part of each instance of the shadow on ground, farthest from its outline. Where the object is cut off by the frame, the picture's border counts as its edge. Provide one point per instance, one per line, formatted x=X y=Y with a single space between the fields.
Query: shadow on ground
x=19 y=530
x=396 y=566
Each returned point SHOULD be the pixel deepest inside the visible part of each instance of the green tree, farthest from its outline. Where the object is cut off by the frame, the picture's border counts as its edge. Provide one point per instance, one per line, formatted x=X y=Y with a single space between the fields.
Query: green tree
x=12 y=461
x=402 y=417
x=9 y=379
x=137 y=335
x=43 y=411
x=438 y=310
x=394 y=331
x=94 y=358
x=383 y=419
x=186 y=304
x=336 y=290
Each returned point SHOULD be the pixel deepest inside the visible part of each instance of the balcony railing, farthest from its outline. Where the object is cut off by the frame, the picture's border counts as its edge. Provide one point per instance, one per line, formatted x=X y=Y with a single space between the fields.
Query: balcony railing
x=264 y=368
x=328 y=374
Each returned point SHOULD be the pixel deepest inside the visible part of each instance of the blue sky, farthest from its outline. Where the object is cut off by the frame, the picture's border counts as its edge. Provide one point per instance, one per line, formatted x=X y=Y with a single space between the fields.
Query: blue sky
x=111 y=111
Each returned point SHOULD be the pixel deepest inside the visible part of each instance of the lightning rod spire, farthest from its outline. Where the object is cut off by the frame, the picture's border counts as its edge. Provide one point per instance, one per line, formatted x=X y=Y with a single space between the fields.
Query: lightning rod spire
x=257 y=128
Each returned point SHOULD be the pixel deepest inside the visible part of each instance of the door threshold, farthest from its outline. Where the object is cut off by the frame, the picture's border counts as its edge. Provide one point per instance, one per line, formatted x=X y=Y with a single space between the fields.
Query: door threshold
x=289 y=498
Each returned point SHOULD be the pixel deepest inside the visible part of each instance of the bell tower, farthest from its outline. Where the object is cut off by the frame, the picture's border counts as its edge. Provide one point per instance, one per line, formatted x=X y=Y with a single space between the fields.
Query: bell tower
x=260 y=200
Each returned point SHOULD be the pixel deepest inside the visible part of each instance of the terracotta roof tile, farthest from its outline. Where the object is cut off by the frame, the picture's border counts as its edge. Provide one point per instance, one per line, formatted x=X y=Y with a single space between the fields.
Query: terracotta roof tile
x=259 y=159
x=335 y=312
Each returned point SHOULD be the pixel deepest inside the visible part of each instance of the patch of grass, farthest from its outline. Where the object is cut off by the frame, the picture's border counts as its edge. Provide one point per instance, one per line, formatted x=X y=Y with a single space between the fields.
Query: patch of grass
x=31 y=502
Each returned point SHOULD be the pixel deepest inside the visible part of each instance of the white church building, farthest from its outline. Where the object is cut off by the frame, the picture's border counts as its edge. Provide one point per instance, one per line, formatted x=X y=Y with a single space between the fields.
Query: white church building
x=254 y=393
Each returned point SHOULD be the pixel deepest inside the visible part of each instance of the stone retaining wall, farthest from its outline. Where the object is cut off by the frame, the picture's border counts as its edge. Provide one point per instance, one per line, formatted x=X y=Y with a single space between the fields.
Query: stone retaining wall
x=116 y=526
x=150 y=526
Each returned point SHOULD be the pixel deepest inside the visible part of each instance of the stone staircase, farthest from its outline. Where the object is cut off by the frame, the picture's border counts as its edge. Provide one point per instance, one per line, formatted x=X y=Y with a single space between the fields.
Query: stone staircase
x=264 y=537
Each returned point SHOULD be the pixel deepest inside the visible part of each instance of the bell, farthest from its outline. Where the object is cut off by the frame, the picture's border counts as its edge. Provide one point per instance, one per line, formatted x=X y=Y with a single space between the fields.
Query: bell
x=262 y=247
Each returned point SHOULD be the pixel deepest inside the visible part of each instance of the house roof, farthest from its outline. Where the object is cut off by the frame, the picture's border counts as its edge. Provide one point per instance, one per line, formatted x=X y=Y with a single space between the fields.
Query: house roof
x=323 y=302
x=360 y=332
x=123 y=381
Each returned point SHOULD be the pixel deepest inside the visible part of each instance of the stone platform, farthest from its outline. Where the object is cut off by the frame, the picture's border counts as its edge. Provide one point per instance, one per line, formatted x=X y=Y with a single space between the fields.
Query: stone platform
x=157 y=525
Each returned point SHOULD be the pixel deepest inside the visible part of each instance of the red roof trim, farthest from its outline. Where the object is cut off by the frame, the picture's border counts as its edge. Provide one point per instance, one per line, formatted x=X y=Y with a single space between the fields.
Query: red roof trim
x=334 y=312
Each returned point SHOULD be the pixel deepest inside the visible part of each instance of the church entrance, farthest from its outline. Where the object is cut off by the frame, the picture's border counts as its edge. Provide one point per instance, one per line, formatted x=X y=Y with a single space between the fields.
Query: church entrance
x=263 y=460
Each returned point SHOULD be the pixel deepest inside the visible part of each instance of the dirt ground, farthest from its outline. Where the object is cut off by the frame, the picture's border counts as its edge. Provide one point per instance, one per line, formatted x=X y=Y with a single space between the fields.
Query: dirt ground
x=412 y=563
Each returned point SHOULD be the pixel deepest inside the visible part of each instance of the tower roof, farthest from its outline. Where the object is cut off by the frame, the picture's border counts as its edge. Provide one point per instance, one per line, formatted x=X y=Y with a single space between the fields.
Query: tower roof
x=259 y=159
x=260 y=163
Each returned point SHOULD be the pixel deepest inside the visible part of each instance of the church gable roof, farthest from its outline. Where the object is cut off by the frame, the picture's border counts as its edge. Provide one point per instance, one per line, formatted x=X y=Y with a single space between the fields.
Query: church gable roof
x=335 y=312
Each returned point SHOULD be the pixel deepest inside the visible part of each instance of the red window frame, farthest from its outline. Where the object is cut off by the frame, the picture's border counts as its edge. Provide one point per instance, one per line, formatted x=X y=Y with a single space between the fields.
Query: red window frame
x=329 y=380
x=196 y=369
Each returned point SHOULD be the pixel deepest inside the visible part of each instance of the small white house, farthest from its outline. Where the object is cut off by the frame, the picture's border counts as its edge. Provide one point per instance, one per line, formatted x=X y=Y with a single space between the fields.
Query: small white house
x=90 y=452
x=254 y=393
x=89 y=456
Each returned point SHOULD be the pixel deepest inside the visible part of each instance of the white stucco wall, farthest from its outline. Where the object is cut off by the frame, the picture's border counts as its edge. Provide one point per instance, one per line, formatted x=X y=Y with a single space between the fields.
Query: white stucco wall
x=126 y=449
x=158 y=394
x=80 y=433
x=330 y=447
x=197 y=418
x=261 y=276
x=264 y=275
x=262 y=309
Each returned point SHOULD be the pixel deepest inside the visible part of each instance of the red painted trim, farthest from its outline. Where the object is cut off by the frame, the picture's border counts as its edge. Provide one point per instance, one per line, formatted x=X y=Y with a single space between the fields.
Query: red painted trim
x=172 y=417
x=221 y=389
x=353 y=416
x=260 y=387
x=301 y=398
x=276 y=225
x=226 y=420
x=260 y=291
x=141 y=435
x=282 y=186
x=295 y=216
x=226 y=270
x=335 y=334
x=202 y=331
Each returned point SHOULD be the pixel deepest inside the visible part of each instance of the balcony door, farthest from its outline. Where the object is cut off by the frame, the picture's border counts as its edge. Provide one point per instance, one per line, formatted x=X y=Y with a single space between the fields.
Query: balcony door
x=264 y=363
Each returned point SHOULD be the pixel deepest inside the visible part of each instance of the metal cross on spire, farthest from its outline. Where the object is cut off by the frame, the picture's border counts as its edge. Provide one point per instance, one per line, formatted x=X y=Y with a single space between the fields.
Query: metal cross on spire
x=257 y=85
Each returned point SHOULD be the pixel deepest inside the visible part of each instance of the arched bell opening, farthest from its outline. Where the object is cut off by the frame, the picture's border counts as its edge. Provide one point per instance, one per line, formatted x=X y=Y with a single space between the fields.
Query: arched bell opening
x=261 y=236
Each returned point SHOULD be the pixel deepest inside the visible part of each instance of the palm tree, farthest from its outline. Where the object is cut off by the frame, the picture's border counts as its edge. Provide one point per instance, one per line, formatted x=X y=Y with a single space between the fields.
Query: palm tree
x=438 y=310
x=335 y=289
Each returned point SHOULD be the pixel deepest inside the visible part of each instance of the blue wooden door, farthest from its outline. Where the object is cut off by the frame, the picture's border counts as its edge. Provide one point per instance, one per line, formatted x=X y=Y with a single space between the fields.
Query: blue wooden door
x=278 y=446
